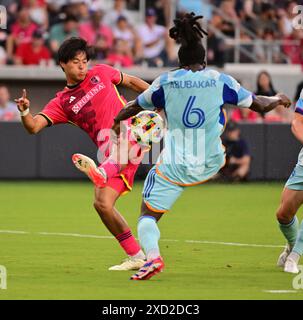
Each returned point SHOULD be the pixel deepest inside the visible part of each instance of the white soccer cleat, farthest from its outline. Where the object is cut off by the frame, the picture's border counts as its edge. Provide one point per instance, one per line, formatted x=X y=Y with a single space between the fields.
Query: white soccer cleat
x=129 y=264
x=283 y=256
x=291 y=266
x=88 y=166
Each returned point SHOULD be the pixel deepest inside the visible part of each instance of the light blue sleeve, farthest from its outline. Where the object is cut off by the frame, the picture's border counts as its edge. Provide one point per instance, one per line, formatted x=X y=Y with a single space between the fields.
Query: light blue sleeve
x=299 y=105
x=153 y=98
x=234 y=93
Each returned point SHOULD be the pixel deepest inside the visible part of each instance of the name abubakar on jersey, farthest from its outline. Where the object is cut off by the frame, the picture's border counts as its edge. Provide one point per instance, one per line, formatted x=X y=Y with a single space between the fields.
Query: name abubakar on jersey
x=189 y=84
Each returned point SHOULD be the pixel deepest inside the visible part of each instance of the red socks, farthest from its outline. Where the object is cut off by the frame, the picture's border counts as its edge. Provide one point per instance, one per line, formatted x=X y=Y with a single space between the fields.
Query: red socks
x=128 y=243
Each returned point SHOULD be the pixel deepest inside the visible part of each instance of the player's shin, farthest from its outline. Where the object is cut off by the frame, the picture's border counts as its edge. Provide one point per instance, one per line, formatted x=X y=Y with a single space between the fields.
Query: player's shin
x=149 y=235
x=290 y=231
x=297 y=251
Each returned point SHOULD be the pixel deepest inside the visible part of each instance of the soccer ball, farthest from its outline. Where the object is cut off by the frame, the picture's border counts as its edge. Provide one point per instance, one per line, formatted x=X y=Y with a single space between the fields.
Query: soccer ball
x=147 y=127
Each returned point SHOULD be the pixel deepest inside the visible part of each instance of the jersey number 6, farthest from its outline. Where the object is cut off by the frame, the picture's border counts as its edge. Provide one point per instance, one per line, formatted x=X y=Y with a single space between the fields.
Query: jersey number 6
x=190 y=110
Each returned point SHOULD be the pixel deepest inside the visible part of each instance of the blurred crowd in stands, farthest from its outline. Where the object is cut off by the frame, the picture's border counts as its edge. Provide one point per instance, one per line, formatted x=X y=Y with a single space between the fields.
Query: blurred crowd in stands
x=36 y=28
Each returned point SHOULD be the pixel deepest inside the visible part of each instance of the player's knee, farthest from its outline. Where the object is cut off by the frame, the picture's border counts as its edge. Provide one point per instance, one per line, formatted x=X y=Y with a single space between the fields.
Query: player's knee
x=103 y=206
x=285 y=215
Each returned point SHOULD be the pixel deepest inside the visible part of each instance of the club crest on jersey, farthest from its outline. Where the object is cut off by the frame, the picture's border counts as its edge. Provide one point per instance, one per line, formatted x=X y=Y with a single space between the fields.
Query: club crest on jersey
x=94 y=79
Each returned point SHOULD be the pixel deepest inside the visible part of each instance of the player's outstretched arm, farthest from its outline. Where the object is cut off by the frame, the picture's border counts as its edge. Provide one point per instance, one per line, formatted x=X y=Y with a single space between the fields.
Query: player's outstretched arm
x=134 y=83
x=297 y=127
x=264 y=104
x=33 y=124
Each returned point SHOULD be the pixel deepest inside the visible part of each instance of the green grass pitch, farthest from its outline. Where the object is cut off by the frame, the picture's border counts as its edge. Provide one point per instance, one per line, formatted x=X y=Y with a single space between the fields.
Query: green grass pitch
x=199 y=238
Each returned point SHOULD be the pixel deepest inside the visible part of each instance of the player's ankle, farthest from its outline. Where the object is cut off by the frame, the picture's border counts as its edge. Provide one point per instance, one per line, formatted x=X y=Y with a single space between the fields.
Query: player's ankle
x=139 y=255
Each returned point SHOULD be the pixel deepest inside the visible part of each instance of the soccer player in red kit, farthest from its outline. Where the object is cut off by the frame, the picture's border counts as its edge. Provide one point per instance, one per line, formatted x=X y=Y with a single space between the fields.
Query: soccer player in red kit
x=91 y=101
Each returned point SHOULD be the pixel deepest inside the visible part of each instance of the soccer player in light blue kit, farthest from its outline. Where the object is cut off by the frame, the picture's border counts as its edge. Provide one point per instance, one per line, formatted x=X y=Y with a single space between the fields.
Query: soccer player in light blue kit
x=292 y=199
x=192 y=98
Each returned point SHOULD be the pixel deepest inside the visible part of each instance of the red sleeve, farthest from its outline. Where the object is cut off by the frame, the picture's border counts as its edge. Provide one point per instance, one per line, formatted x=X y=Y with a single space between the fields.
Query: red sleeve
x=54 y=113
x=114 y=74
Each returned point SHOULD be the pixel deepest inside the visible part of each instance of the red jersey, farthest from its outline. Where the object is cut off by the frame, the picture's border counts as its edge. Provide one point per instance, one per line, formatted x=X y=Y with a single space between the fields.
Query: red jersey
x=29 y=56
x=92 y=105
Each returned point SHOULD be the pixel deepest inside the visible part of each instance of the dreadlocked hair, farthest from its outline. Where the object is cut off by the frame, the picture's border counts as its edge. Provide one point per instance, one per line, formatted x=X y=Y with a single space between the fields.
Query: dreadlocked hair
x=188 y=32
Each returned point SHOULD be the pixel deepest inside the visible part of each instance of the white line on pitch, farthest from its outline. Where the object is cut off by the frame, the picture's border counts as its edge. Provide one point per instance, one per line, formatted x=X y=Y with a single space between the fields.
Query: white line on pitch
x=281 y=291
x=235 y=244
x=77 y=235
x=73 y=235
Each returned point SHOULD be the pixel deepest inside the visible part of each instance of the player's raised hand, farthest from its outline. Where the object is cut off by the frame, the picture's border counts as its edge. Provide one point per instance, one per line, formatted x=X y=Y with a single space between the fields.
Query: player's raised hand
x=285 y=101
x=23 y=103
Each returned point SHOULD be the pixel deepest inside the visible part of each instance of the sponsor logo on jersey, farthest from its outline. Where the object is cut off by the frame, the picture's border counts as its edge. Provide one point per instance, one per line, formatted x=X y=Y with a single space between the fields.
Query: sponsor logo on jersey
x=90 y=94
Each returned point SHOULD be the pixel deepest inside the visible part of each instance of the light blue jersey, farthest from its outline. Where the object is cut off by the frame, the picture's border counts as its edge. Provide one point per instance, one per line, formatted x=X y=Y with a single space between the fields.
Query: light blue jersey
x=193 y=104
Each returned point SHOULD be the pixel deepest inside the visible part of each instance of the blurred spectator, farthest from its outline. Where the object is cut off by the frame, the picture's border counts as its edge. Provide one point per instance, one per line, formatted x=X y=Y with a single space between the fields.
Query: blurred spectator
x=8 y=109
x=265 y=88
x=163 y=10
x=153 y=37
x=286 y=18
x=33 y=53
x=38 y=12
x=124 y=31
x=95 y=27
x=268 y=52
x=215 y=50
x=21 y=32
x=245 y=115
x=81 y=10
x=118 y=10
x=238 y=157
x=61 y=31
x=266 y=20
x=293 y=47
x=264 y=85
x=3 y=57
x=231 y=18
x=101 y=50
x=121 y=56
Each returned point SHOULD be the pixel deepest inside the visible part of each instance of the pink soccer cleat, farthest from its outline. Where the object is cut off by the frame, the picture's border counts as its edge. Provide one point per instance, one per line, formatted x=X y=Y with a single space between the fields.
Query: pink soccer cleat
x=151 y=268
x=88 y=166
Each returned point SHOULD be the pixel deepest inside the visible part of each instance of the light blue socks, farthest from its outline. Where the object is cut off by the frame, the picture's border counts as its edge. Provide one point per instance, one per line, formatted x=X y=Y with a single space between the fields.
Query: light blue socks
x=290 y=231
x=149 y=235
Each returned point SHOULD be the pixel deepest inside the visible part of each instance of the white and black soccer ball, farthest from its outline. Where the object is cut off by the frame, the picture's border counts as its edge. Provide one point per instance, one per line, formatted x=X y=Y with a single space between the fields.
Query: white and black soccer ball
x=147 y=127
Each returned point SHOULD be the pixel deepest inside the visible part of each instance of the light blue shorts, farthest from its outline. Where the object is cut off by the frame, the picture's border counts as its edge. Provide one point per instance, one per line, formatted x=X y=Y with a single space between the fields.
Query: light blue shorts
x=295 y=181
x=159 y=194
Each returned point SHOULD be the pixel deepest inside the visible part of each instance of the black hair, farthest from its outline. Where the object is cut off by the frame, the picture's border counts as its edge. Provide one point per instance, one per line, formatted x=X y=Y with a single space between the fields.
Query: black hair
x=189 y=33
x=70 y=17
x=71 y=47
x=260 y=90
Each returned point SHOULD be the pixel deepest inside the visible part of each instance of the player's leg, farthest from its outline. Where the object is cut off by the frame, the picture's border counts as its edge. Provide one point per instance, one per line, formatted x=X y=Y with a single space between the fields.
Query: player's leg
x=158 y=197
x=119 y=159
x=286 y=214
x=105 y=199
x=292 y=198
